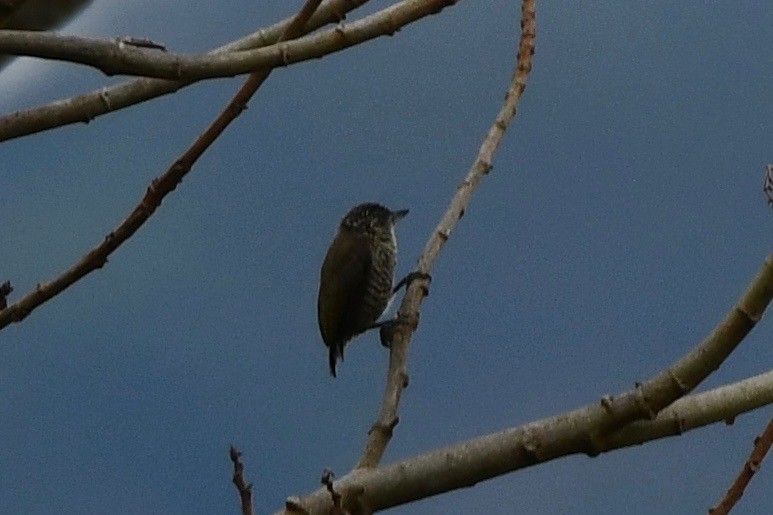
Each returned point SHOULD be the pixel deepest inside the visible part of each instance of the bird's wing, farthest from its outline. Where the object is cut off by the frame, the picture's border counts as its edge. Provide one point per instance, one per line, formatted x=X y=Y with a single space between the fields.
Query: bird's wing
x=342 y=286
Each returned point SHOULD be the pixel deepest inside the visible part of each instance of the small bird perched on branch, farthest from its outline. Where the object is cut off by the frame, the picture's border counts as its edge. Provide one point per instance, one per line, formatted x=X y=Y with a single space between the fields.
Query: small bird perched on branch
x=357 y=275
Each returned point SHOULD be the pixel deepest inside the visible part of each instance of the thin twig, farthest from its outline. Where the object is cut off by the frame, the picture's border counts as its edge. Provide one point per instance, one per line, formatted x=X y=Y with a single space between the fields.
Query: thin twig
x=397 y=376
x=767 y=187
x=244 y=488
x=114 y=58
x=5 y=290
x=159 y=188
x=335 y=497
x=84 y=108
x=761 y=447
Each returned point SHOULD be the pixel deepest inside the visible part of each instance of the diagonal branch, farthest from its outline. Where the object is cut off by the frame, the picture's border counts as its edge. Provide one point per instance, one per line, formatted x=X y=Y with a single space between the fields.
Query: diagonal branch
x=761 y=447
x=465 y=464
x=159 y=188
x=597 y=428
x=648 y=398
x=113 y=57
x=84 y=108
x=397 y=376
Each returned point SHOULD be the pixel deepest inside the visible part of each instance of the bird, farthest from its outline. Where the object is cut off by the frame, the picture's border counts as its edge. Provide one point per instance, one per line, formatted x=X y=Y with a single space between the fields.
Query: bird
x=357 y=275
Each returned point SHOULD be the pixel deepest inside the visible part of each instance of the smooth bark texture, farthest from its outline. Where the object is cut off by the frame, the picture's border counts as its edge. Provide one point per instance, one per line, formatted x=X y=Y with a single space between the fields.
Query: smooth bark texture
x=465 y=464
x=158 y=189
x=84 y=108
x=113 y=57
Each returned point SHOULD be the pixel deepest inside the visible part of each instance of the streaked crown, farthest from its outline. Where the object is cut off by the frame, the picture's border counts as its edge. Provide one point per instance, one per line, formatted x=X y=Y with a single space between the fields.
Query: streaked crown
x=371 y=219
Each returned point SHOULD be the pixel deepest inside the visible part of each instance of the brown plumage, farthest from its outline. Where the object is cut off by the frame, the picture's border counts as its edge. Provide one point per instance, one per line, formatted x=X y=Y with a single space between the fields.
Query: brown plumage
x=357 y=276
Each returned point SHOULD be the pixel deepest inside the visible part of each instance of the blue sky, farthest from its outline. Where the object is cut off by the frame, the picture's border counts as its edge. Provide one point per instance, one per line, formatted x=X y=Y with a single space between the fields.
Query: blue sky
x=622 y=220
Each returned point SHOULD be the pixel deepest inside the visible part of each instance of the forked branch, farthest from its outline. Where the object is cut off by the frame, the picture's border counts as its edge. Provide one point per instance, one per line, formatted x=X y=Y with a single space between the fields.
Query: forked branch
x=159 y=188
x=84 y=108
x=467 y=463
x=114 y=57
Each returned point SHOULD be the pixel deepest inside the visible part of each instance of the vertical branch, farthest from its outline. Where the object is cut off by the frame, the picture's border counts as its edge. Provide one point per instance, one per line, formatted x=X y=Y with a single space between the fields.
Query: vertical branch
x=408 y=314
x=5 y=290
x=244 y=488
x=767 y=187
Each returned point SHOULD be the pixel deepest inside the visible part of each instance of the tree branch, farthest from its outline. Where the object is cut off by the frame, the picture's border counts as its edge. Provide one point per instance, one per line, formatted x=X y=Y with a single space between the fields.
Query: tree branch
x=5 y=290
x=648 y=398
x=767 y=187
x=244 y=488
x=761 y=446
x=465 y=464
x=85 y=108
x=159 y=188
x=113 y=57
x=592 y=429
x=400 y=338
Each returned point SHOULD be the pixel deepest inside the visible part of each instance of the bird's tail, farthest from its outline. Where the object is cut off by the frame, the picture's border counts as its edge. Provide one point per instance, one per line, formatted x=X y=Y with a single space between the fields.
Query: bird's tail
x=336 y=351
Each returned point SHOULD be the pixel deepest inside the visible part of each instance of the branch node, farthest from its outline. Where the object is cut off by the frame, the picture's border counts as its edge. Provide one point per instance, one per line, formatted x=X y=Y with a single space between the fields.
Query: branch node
x=104 y=95
x=387 y=429
x=530 y=443
x=752 y=317
x=404 y=380
x=767 y=186
x=594 y=444
x=244 y=488
x=295 y=505
x=5 y=290
x=410 y=320
x=641 y=400
x=327 y=480
x=284 y=52
x=679 y=423
x=681 y=386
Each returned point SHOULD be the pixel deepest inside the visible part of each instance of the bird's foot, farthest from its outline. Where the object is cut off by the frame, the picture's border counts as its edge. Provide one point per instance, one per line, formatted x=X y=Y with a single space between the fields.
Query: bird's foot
x=388 y=328
x=413 y=276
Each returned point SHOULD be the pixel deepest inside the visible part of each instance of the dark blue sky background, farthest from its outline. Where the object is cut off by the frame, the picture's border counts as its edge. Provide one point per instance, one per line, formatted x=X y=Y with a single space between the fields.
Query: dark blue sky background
x=623 y=219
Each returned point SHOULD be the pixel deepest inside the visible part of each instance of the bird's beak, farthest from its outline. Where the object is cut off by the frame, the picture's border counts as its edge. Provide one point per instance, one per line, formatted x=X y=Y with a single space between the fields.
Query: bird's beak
x=398 y=215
